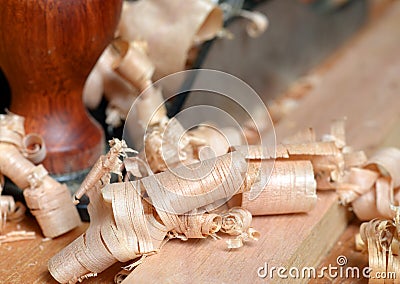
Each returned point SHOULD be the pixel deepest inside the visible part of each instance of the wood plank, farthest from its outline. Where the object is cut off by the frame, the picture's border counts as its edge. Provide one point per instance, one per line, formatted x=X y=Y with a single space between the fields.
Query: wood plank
x=345 y=246
x=209 y=261
x=362 y=86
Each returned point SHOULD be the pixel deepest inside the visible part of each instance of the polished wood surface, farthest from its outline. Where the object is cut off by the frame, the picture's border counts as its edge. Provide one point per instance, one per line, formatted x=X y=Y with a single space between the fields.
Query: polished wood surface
x=47 y=49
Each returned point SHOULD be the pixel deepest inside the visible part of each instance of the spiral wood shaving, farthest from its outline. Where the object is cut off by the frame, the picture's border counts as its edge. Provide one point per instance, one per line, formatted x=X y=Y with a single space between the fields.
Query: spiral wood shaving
x=49 y=201
x=382 y=240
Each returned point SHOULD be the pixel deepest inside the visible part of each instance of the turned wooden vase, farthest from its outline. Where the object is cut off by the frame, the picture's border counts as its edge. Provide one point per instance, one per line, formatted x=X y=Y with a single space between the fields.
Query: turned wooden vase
x=47 y=50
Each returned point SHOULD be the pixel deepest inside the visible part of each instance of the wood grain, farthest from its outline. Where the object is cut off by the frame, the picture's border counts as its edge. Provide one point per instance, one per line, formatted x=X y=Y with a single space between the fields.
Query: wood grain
x=47 y=49
x=29 y=258
x=345 y=246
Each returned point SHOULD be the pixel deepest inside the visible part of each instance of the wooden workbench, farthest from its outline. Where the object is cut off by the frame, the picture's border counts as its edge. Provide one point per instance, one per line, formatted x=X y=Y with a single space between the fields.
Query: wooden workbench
x=362 y=84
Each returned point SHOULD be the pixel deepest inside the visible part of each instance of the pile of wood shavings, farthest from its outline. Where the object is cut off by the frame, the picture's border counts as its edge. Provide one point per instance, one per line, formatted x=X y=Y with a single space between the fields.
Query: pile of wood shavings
x=378 y=184
x=124 y=225
x=49 y=201
x=134 y=219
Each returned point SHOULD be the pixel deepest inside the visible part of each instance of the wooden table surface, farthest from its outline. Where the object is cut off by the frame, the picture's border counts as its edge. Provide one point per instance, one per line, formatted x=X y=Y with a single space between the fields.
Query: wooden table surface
x=26 y=261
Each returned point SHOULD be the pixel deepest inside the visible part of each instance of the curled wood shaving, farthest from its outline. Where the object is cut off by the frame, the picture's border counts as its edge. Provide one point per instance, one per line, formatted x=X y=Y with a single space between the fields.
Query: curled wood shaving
x=141 y=49
x=168 y=145
x=108 y=238
x=126 y=71
x=258 y=22
x=104 y=80
x=381 y=238
x=10 y=210
x=34 y=148
x=49 y=201
x=184 y=23
x=165 y=147
x=285 y=192
x=326 y=158
x=86 y=276
x=356 y=182
x=236 y=222
x=374 y=187
x=148 y=115
x=133 y=64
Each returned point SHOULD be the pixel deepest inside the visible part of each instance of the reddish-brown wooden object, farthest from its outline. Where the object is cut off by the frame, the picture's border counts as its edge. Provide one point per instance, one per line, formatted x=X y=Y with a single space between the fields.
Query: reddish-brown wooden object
x=47 y=49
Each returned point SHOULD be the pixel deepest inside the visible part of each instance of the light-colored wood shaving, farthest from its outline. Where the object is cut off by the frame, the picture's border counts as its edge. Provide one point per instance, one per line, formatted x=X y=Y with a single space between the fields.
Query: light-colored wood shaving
x=184 y=23
x=258 y=22
x=326 y=158
x=141 y=49
x=375 y=186
x=285 y=192
x=49 y=201
x=10 y=210
x=381 y=238
x=15 y=236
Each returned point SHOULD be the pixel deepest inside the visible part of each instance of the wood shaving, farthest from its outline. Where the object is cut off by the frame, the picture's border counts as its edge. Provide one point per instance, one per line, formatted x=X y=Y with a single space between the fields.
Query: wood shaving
x=184 y=23
x=236 y=222
x=258 y=22
x=133 y=63
x=381 y=238
x=141 y=49
x=15 y=236
x=380 y=199
x=49 y=201
x=10 y=210
x=289 y=101
x=326 y=158
x=284 y=193
x=375 y=186
x=86 y=276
